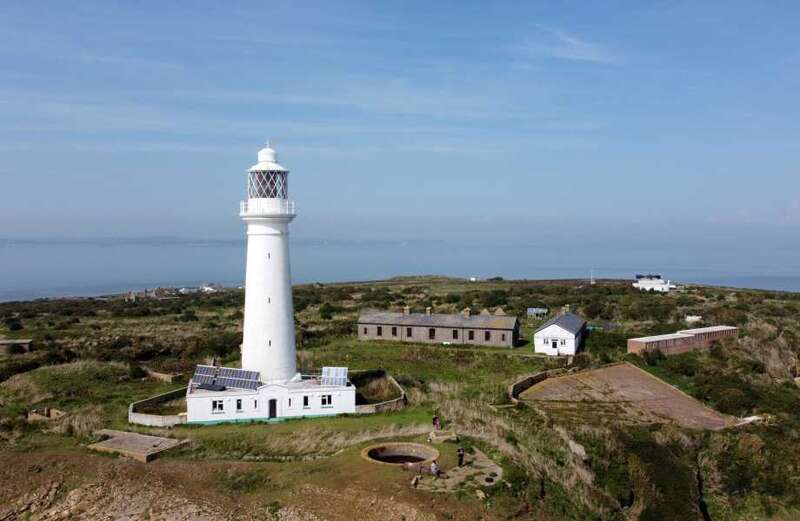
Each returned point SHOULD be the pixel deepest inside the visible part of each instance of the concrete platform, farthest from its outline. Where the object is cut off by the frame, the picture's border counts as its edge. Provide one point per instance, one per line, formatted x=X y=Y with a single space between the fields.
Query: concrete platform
x=622 y=393
x=140 y=447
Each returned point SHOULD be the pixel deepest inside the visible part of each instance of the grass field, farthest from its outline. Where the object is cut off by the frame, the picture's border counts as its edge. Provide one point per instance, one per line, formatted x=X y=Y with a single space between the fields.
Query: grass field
x=557 y=464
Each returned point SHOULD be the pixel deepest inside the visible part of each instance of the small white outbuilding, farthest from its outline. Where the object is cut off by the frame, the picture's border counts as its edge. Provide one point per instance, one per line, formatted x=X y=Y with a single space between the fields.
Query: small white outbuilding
x=561 y=335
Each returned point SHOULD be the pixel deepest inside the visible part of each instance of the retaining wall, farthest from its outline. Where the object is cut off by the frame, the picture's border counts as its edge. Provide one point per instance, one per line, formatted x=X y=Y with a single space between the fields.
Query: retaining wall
x=157 y=420
x=389 y=405
x=523 y=384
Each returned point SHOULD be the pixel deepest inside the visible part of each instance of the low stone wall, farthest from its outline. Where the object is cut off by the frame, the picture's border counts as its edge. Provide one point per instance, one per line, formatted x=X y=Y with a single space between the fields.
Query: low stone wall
x=163 y=377
x=390 y=405
x=157 y=420
x=523 y=384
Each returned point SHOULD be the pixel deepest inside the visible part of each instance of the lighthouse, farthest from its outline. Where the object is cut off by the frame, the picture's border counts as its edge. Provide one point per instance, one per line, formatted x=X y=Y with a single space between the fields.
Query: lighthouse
x=267 y=386
x=268 y=341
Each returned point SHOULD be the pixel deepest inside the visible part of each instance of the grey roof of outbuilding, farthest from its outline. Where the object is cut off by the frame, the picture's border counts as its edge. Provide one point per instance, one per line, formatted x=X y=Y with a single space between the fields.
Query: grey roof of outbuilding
x=438 y=320
x=568 y=321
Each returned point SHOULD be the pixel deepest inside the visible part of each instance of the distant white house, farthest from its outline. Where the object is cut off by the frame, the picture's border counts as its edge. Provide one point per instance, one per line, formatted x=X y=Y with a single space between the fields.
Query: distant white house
x=693 y=319
x=653 y=282
x=561 y=335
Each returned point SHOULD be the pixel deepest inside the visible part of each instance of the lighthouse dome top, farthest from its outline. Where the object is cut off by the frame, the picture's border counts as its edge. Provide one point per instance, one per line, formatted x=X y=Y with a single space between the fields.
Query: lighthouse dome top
x=267 y=161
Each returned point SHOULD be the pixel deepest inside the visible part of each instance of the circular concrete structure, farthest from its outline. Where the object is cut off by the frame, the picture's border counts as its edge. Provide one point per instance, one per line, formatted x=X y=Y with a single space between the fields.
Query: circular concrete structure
x=399 y=453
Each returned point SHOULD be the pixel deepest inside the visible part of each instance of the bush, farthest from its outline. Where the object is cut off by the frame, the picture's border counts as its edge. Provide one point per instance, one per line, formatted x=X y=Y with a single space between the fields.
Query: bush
x=653 y=356
x=188 y=316
x=13 y=324
x=135 y=372
x=685 y=364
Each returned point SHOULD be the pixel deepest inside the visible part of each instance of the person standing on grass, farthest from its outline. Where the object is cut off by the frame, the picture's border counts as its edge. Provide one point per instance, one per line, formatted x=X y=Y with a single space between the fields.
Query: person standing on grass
x=460 y=453
x=434 y=469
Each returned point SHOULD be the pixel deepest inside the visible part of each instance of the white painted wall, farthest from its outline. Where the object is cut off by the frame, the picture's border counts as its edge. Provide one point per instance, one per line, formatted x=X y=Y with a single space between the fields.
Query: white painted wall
x=255 y=404
x=268 y=344
x=566 y=342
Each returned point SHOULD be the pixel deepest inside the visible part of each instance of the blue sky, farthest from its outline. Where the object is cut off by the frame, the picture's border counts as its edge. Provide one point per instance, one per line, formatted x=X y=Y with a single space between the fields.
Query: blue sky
x=475 y=121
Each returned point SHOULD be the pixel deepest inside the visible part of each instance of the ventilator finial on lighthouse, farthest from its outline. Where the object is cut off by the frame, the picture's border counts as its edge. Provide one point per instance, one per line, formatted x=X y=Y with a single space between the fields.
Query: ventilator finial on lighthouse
x=268 y=342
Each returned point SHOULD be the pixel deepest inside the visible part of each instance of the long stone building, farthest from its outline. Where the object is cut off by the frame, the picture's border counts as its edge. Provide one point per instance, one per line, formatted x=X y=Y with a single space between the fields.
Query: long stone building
x=485 y=329
x=681 y=341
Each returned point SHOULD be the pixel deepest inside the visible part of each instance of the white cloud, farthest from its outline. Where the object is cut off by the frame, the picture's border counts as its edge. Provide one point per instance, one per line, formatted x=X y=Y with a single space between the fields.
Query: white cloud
x=557 y=44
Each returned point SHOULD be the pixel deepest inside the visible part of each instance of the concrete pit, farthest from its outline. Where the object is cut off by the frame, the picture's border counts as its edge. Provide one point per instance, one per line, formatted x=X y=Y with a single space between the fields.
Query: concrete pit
x=400 y=453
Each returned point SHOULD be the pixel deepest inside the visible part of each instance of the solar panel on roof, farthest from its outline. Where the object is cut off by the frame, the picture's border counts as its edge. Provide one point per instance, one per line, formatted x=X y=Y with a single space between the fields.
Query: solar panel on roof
x=203 y=379
x=334 y=376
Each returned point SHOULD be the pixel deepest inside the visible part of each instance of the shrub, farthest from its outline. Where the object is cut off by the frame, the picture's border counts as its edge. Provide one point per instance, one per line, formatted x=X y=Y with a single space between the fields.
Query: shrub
x=653 y=356
x=135 y=372
x=13 y=324
x=188 y=316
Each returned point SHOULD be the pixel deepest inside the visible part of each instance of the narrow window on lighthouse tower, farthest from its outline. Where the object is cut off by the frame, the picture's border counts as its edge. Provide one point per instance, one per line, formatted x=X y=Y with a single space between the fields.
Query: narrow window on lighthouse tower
x=270 y=342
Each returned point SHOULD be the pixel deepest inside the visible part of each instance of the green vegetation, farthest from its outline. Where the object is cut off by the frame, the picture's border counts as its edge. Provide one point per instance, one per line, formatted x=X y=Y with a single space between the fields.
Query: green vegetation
x=90 y=355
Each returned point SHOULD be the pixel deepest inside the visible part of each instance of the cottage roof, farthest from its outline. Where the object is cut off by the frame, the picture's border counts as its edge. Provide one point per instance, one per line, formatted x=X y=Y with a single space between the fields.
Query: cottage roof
x=568 y=321
x=438 y=320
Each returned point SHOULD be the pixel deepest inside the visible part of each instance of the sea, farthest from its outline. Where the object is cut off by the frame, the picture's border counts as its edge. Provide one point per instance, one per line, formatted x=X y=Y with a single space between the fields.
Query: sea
x=31 y=269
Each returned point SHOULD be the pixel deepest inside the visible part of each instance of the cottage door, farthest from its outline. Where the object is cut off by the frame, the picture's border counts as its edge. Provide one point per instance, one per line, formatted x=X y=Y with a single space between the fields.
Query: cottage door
x=555 y=345
x=273 y=408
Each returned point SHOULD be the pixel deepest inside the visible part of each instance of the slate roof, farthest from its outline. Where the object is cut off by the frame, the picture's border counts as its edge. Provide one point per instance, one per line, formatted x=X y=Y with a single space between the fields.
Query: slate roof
x=438 y=320
x=568 y=321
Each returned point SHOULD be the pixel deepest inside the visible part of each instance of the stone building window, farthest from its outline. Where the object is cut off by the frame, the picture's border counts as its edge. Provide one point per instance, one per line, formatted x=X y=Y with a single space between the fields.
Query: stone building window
x=472 y=335
x=380 y=331
x=394 y=331
x=455 y=334
x=431 y=333
x=487 y=335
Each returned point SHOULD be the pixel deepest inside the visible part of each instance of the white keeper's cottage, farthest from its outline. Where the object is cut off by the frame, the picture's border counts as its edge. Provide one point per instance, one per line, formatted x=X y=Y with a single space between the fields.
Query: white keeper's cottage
x=561 y=335
x=268 y=386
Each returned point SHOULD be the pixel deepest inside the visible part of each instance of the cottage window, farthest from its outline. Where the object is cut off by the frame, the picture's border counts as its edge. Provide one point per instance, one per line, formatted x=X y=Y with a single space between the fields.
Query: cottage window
x=380 y=331
x=394 y=331
x=327 y=400
x=365 y=331
x=455 y=334
x=217 y=406
x=305 y=402
x=563 y=341
x=255 y=404
x=290 y=403
x=503 y=337
x=487 y=335
x=238 y=405
x=472 y=335
x=408 y=332
x=431 y=333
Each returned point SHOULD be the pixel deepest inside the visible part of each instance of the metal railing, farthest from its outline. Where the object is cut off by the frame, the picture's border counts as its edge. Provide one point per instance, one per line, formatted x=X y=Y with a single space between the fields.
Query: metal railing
x=266 y=207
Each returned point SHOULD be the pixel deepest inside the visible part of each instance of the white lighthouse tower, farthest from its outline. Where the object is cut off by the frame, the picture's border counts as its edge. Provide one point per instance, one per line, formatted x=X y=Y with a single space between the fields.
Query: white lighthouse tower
x=268 y=345
x=267 y=387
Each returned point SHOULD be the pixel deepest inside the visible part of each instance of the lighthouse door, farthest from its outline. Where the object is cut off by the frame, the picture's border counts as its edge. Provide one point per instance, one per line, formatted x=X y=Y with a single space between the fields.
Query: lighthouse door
x=273 y=408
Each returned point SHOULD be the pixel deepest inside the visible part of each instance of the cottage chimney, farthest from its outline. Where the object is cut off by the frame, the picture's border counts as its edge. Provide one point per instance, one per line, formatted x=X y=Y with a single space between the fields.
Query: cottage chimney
x=428 y=310
x=406 y=310
x=466 y=312
x=565 y=308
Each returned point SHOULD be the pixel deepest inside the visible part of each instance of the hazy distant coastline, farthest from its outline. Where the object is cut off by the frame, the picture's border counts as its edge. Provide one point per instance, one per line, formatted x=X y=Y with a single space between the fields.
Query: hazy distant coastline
x=42 y=267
